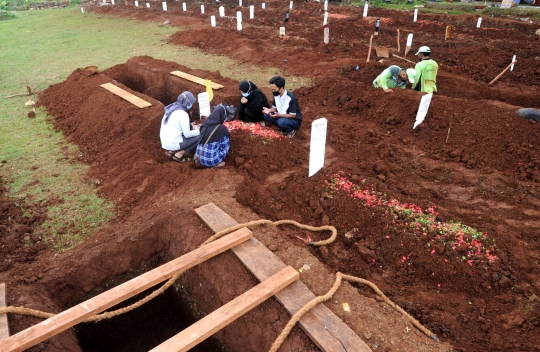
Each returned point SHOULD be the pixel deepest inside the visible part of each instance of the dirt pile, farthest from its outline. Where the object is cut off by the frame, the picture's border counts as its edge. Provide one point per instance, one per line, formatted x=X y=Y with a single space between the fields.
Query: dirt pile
x=372 y=142
x=18 y=243
x=418 y=211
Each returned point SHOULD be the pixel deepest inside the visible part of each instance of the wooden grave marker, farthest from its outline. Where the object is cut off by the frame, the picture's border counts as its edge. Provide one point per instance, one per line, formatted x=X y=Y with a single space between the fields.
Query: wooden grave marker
x=4 y=327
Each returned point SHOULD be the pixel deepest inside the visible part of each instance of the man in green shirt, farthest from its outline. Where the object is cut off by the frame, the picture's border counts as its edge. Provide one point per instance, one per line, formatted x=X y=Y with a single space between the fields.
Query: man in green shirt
x=426 y=72
x=394 y=77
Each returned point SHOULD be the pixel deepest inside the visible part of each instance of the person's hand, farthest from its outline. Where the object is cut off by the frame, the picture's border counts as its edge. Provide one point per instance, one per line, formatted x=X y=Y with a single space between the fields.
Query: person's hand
x=266 y=111
x=274 y=115
x=243 y=100
x=388 y=90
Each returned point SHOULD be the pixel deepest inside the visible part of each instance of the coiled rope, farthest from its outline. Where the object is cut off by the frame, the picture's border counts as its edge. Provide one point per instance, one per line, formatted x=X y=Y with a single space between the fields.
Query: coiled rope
x=295 y=318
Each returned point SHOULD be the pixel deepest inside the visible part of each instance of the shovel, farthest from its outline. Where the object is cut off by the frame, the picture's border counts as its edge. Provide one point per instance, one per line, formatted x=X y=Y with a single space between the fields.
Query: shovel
x=388 y=53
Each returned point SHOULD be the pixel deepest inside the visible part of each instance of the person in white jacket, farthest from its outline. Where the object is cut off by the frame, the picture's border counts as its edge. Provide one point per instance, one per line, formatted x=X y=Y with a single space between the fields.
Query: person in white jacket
x=178 y=137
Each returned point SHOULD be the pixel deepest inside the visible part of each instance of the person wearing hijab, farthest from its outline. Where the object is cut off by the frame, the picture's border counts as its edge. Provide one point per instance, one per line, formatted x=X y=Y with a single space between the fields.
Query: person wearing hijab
x=177 y=137
x=215 y=139
x=252 y=102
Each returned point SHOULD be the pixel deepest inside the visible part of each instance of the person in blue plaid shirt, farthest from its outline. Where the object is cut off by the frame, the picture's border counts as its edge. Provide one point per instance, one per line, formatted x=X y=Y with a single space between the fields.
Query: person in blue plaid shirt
x=216 y=137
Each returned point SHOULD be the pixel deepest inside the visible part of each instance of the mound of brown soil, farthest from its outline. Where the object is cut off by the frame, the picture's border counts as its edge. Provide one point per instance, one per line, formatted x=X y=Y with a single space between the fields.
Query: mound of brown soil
x=473 y=161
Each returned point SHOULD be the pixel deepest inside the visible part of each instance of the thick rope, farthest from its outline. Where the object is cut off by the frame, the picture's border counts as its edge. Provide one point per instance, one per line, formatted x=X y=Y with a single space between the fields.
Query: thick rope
x=95 y=318
x=107 y=315
x=339 y=276
x=277 y=223
x=295 y=318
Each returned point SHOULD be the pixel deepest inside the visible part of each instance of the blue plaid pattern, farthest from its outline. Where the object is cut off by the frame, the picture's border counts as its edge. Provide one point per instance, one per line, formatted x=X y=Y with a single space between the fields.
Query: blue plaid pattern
x=215 y=152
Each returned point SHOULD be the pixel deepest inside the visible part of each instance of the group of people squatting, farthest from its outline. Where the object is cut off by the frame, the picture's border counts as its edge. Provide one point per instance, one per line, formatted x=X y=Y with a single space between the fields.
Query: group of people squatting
x=210 y=141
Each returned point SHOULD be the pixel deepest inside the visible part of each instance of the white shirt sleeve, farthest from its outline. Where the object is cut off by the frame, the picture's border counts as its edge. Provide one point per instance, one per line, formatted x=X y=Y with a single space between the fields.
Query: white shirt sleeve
x=171 y=133
x=186 y=127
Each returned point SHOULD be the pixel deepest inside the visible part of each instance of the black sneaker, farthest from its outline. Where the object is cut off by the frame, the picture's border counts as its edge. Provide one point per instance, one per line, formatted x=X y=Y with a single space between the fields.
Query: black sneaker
x=289 y=134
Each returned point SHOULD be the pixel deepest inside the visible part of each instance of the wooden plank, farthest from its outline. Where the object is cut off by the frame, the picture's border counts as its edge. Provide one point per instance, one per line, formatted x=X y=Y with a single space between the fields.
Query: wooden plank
x=4 y=327
x=135 y=100
x=324 y=328
x=196 y=79
x=68 y=318
x=228 y=313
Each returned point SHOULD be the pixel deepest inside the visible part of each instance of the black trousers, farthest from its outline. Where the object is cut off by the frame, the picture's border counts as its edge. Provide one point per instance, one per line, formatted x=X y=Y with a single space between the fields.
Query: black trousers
x=246 y=114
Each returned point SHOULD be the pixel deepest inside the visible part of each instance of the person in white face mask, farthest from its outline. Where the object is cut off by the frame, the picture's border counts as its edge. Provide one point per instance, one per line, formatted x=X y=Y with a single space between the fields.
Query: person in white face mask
x=178 y=137
x=252 y=102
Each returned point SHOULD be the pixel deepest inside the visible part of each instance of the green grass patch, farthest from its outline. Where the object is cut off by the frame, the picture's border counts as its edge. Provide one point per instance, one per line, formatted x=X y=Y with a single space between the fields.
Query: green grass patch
x=532 y=12
x=41 y=48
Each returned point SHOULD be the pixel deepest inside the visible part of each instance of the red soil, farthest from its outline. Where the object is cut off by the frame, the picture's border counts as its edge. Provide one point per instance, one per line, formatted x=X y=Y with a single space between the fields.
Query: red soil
x=473 y=159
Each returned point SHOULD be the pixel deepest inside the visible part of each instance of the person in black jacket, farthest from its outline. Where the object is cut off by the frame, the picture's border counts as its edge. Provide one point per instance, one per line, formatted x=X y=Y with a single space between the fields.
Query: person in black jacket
x=252 y=102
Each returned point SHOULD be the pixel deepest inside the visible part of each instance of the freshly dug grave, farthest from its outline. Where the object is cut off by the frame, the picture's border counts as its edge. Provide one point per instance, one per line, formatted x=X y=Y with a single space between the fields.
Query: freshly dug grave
x=156 y=219
x=473 y=160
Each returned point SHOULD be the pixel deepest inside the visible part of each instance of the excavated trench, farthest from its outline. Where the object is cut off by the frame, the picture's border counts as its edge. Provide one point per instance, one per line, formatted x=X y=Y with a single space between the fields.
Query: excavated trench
x=141 y=244
x=146 y=327
x=198 y=292
x=127 y=160
x=153 y=78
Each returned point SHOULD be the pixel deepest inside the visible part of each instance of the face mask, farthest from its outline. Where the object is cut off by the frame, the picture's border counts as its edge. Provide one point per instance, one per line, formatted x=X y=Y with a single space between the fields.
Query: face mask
x=189 y=106
x=245 y=95
x=275 y=93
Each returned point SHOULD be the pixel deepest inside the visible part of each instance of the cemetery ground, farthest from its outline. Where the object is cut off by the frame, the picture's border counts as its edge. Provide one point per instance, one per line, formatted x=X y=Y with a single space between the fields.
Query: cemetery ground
x=443 y=219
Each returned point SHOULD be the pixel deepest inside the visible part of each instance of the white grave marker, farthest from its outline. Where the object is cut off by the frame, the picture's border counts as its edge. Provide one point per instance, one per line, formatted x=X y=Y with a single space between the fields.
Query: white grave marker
x=409 y=39
x=221 y=11
x=136 y=3
x=213 y=21
x=164 y=5
x=112 y=2
x=365 y=9
x=263 y=5
x=204 y=104
x=184 y=6
x=326 y=5
x=281 y=31
x=251 y=11
x=239 y=2
x=82 y=10
x=239 y=16
x=479 y=23
x=423 y=109
x=148 y=4
x=290 y=6
x=239 y=26
x=325 y=20
x=202 y=9
x=317 y=145
x=512 y=67
x=415 y=18
x=326 y=35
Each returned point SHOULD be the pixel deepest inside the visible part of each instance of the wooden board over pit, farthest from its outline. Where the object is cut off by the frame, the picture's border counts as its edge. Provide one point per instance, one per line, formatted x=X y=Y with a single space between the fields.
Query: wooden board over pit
x=4 y=328
x=324 y=328
x=228 y=313
x=126 y=95
x=196 y=79
x=68 y=318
